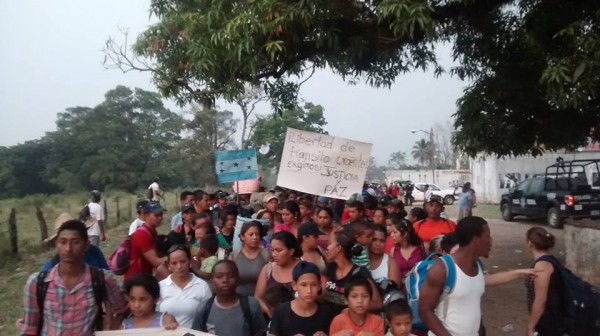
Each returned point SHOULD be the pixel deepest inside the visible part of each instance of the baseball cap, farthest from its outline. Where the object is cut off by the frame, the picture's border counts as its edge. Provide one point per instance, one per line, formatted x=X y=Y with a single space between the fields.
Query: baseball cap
x=221 y=194
x=309 y=228
x=322 y=199
x=153 y=207
x=141 y=204
x=187 y=207
x=435 y=198
x=305 y=267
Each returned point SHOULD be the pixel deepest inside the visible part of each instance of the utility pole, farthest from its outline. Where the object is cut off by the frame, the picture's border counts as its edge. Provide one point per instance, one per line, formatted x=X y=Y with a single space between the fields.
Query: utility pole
x=432 y=160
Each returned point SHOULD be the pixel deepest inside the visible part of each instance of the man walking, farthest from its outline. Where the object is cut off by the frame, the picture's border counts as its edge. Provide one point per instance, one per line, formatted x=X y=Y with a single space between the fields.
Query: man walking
x=63 y=301
x=96 y=217
x=154 y=192
x=459 y=312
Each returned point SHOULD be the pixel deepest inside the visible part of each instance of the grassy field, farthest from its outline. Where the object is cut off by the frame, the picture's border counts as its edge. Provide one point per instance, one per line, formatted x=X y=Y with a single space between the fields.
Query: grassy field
x=14 y=270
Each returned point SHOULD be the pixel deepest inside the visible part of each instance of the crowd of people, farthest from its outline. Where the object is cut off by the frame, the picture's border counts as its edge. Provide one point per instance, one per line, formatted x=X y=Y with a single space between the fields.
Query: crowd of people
x=300 y=265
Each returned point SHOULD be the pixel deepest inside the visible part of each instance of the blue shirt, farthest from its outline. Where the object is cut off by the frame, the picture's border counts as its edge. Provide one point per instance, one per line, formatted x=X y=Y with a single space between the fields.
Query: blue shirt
x=93 y=257
x=176 y=219
x=464 y=200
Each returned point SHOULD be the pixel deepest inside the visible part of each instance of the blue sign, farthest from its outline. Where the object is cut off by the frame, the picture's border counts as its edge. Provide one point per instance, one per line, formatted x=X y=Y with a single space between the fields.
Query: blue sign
x=236 y=165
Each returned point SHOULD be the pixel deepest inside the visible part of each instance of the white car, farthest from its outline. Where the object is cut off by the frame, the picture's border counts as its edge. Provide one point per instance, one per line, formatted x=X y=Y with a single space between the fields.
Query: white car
x=446 y=194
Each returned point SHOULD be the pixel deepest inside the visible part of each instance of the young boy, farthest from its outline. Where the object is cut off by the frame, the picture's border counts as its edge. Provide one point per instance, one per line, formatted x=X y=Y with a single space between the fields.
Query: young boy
x=363 y=233
x=399 y=318
x=207 y=255
x=357 y=319
x=228 y=313
x=304 y=315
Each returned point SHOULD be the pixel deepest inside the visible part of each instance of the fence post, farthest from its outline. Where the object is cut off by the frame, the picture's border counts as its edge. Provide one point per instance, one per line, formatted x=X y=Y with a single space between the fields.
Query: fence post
x=130 y=207
x=118 y=212
x=105 y=214
x=12 y=229
x=42 y=222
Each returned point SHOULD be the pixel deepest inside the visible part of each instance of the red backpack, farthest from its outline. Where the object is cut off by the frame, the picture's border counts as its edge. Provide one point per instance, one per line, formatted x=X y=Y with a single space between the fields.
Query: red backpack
x=119 y=260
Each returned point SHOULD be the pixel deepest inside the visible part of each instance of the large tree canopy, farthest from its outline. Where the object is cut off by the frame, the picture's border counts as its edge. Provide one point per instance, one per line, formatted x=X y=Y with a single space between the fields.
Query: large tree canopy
x=532 y=63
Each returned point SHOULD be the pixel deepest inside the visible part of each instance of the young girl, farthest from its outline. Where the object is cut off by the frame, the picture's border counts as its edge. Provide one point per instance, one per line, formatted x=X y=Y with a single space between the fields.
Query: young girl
x=303 y=315
x=357 y=320
x=143 y=292
x=227 y=228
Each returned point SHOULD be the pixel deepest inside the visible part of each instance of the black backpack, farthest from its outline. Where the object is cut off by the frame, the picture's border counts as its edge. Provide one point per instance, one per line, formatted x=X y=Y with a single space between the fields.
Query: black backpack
x=244 y=304
x=98 y=286
x=581 y=302
x=84 y=214
x=150 y=193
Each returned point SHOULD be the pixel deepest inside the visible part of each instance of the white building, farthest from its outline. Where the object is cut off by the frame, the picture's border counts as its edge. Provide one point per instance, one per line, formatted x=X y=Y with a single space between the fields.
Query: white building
x=444 y=178
x=489 y=173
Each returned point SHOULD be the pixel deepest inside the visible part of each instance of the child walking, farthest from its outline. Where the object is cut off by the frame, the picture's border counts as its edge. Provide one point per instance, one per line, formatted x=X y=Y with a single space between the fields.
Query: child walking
x=143 y=292
x=357 y=319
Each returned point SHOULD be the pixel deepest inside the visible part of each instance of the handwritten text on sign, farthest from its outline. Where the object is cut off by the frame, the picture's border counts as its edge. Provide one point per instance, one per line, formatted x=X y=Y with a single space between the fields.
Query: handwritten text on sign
x=323 y=165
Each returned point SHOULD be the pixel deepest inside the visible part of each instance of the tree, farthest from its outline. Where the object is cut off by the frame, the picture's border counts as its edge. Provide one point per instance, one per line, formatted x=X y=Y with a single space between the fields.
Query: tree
x=375 y=173
x=247 y=103
x=532 y=64
x=270 y=130
x=445 y=151
x=121 y=143
x=422 y=152
x=209 y=130
x=397 y=160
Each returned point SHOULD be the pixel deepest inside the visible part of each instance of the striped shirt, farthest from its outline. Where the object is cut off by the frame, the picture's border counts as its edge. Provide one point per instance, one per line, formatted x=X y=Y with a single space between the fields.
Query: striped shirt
x=362 y=259
x=68 y=312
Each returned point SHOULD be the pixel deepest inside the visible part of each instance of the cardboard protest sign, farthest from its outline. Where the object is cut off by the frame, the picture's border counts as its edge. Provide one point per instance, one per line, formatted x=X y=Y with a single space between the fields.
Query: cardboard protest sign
x=323 y=165
x=152 y=331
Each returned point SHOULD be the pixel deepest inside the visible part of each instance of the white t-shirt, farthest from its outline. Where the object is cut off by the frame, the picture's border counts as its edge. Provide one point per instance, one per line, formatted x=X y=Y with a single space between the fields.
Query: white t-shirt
x=135 y=225
x=156 y=190
x=96 y=214
x=182 y=303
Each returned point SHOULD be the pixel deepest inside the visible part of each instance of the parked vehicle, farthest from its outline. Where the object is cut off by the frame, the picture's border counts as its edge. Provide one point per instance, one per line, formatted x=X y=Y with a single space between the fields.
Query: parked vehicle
x=564 y=191
x=446 y=194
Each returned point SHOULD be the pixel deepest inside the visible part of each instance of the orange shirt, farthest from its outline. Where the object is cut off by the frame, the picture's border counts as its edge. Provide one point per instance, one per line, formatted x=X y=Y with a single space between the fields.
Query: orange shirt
x=430 y=228
x=373 y=323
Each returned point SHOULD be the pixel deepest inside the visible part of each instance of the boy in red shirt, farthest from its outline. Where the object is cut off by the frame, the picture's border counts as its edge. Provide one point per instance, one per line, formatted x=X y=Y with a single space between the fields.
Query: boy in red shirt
x=143 y=254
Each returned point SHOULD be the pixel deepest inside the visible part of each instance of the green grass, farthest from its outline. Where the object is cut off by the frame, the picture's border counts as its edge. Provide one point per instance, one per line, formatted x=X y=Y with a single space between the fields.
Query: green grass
x=14 y=270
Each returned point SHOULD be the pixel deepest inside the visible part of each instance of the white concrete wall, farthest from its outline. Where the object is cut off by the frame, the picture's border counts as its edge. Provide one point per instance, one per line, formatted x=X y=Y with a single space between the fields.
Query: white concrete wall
x=444 y=178
x=489 y=179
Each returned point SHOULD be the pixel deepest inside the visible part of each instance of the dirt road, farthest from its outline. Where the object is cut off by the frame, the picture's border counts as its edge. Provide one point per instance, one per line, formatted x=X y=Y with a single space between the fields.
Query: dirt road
x=504 y=307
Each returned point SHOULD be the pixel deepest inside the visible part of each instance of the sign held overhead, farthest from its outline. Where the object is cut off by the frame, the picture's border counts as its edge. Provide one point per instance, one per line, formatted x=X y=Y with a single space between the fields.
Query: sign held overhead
x=322 y=164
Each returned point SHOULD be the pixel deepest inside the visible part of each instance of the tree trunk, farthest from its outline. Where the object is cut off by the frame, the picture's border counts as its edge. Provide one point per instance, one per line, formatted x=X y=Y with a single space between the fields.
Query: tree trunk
x=42 y=222
x=12 y=230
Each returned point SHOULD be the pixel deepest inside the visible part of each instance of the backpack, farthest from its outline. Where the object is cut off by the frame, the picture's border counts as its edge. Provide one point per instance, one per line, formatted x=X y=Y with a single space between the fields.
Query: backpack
x=415 y=278
x=150 y=193
x=119 y=260
x=581 y=301
x=84 y=213
x=98 y=286
x=244 y=304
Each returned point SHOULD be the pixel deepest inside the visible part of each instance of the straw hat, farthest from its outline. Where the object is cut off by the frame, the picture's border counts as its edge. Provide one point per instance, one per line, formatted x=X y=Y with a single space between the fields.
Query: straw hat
x=63 y=217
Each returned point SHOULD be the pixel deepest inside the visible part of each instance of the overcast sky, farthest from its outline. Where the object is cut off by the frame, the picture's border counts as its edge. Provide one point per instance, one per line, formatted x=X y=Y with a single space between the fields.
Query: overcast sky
x=51 y=60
